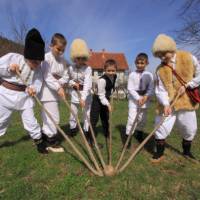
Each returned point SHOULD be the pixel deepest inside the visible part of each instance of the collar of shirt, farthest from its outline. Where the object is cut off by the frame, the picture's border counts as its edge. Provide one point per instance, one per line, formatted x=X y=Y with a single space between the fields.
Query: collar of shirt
x=173 y=60
x=139 y=71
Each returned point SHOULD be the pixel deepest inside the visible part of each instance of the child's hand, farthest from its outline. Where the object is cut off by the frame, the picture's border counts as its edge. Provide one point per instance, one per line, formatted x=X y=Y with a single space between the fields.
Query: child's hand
x=76 y=86
x=110 y=108
x=181 y=90
x=14 y=68
x=82 y=103
x=144 y=99
x=140 y=101
x=61 y=92
x=167 y=111
x=31 y=91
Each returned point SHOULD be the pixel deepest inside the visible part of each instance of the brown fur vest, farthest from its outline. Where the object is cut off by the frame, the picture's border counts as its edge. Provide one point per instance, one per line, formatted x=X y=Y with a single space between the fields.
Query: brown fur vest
x=185 y=69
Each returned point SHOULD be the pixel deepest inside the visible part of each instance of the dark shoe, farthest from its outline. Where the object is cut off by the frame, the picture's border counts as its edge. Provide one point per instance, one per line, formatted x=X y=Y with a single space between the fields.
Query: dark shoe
x=73 y=132
x=53 y=145
x=189 y=155
x=160 y=148
x=157 y=159
x=107 y=135
x=139 y=135
x=89 y=138
x=186 y=145
x=41 y=146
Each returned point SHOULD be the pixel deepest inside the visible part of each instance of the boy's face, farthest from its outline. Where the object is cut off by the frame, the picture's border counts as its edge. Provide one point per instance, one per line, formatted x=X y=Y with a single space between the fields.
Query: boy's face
x=33 y=64
x=141 y=64
x=165 y=57
x=58 y=49
x=110 y=70
x=80 y=61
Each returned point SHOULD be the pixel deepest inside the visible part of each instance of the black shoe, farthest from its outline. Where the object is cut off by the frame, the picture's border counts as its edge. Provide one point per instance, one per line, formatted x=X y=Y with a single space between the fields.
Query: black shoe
x=53 y=144
x=189 y=155
x=186 y=149
x=89 y=138
x=73 y=132
x=41 y=146
x=160 y=148
x=139 y=135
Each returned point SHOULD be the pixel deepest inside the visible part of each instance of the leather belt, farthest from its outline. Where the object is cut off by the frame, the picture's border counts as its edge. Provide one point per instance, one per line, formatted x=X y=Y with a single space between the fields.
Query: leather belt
x=13 y=86
x=56 y=76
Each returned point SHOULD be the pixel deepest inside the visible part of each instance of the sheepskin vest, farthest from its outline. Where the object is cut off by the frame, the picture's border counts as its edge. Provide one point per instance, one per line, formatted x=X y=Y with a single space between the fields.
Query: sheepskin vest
x=185 y=69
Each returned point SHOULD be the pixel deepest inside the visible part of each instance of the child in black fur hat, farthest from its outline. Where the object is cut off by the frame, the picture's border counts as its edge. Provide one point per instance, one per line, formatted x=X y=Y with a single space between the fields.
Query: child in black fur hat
x=14 y=95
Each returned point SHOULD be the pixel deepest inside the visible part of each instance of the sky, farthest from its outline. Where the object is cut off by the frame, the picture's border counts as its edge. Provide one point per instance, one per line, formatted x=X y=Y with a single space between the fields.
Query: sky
x=127 y=26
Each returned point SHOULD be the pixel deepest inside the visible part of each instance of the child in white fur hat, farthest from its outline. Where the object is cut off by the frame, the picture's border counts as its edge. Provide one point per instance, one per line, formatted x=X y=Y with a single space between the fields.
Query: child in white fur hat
x=53 y=90
x=80 y=84
x=167 y=85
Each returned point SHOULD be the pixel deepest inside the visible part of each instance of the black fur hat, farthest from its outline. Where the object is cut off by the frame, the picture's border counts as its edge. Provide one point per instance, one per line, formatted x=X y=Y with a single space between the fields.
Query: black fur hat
x=34 y=45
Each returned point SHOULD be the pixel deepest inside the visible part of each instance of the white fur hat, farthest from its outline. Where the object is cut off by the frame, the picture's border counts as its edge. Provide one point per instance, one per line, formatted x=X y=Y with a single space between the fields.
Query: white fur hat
x=79 y=49
x=163 y=43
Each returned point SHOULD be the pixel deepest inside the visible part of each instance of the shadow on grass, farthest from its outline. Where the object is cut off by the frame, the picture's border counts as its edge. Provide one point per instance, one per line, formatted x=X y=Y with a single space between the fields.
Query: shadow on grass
x=150 y=145
x=11 y=143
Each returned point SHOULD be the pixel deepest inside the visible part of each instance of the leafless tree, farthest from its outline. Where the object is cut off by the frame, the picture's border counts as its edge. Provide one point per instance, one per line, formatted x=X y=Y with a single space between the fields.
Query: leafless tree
x=189 y=33
x=18 y=25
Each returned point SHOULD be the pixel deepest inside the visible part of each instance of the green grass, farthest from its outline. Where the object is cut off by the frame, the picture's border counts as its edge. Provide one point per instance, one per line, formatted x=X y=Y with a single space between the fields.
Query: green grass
x=25 y=174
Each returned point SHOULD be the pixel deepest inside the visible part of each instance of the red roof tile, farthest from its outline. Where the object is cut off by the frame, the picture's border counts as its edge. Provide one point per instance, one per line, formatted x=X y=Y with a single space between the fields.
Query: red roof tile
x=97 y=59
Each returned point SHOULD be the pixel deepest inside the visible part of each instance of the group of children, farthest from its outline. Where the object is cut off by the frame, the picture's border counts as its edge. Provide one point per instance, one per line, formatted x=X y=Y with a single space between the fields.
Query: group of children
x=49 y=76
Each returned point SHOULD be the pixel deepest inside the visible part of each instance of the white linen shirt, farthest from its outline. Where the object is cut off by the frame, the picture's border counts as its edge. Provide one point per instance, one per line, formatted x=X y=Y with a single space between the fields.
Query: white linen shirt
x=140 y=81
x=51 y=85
x=33 y=79
x=83 y=75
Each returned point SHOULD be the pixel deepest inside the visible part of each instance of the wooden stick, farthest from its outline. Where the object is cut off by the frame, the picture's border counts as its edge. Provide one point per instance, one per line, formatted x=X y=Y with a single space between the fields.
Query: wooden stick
x=147 y=138
x=84 y=138
x=63 y=133
x=94 y=138
x=110 y=133
x=131 y=132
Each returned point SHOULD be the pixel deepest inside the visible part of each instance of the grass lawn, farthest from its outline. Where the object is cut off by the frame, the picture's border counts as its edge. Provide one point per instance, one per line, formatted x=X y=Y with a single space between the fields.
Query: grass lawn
x=26 y=174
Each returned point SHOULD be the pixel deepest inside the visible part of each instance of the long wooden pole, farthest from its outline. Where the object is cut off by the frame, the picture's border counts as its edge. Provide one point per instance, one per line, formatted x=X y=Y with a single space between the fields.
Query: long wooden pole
x=110 y=132
x=147 y=138
x=84 y=138
x=63 y=133
x=94 y=138
x=131 y=132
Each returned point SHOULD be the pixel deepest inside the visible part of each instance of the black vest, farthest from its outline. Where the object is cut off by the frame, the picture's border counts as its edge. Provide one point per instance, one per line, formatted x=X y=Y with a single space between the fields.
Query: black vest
x=109 y=85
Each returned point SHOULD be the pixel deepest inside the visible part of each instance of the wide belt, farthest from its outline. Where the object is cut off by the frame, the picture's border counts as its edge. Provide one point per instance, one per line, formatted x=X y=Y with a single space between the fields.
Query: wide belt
x=80 y=87
x=56 y=76
x=13 y=86
x=141 y=92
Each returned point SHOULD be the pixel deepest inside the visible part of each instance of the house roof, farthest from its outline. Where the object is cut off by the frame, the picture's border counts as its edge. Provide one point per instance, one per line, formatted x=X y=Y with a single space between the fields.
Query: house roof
x=97 y=59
